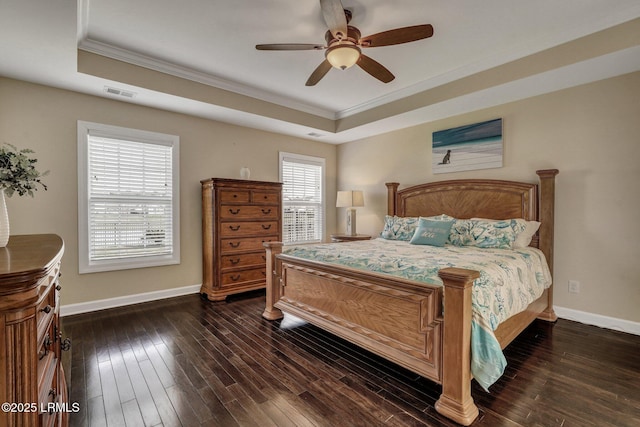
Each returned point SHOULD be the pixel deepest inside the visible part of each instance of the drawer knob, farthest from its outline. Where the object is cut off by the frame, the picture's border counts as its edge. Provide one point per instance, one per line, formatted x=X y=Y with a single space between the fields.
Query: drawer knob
x=45 y=347
x=65 y=344
x=235 y=278
x=47 y=309
x=266 y=211
x=234 y=244
x=234 y=261
x=234 y=228
x=266 y=227
x=234 y=212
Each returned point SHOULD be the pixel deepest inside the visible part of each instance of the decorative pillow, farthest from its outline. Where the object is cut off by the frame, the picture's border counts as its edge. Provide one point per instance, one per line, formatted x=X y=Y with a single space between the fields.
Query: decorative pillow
x=482 y=233
x=399 y=228
x=432 y=232
x=523 y=229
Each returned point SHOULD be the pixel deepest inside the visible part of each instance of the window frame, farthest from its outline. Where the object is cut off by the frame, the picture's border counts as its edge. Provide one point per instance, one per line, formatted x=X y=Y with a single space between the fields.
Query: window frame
x=85 y=264
x=319 y=161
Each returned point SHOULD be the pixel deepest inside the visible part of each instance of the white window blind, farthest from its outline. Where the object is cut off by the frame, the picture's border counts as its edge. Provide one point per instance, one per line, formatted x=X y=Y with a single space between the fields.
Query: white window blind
x=129 y=199
x=303 y=198
x=130 y=202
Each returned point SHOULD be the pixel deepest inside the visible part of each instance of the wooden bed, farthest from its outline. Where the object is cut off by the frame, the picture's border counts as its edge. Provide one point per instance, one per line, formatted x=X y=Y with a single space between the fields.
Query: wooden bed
x=403 y=320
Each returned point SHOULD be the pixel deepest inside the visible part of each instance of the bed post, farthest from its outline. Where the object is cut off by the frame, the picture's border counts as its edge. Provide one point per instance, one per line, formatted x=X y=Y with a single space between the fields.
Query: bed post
x=392 y=191
x=273 y=281
x=546 y=217
x=456 y=402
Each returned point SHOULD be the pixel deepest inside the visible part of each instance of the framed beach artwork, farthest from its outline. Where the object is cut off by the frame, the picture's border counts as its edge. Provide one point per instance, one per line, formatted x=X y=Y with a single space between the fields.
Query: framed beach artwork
x=470 y=147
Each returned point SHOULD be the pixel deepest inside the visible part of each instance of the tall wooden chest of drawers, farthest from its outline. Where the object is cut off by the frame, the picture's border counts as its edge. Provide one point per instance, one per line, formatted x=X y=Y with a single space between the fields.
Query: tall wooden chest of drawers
x=238 y=216
x=33 y=388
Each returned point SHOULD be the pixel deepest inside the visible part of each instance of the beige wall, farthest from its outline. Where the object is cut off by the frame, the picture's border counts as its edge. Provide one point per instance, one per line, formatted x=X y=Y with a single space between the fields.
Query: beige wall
x=590 y=133
x=44 y=119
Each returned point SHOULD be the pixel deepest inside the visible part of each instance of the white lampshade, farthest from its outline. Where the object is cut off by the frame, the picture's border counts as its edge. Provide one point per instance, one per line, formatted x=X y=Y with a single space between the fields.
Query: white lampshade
x=343 y=56
x=349 y=199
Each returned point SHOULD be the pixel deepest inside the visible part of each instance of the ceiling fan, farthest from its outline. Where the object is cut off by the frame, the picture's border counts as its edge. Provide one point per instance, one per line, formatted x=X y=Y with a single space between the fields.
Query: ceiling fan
x=344 y=43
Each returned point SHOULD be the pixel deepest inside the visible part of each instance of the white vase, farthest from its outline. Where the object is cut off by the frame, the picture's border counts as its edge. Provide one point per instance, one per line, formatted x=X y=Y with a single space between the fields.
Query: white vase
x=4 y=221
x=245 y=173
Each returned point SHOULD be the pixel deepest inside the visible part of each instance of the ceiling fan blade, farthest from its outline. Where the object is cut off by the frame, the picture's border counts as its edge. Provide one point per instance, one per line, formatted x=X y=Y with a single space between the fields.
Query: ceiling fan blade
x=318 y=73
x=376 y=69
x=289 y=46
x=335 y=18
x=398 y=36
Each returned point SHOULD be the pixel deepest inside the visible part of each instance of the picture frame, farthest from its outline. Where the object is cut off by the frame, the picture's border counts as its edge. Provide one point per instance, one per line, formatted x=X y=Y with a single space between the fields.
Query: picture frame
x=469 y=147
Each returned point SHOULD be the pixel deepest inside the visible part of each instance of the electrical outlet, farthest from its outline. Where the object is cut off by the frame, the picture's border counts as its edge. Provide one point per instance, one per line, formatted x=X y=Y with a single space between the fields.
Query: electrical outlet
x=574 y=287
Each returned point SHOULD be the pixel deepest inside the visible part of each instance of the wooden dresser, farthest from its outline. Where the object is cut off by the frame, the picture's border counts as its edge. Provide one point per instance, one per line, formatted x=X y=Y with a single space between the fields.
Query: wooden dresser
x=238 y=216
x=33 y=388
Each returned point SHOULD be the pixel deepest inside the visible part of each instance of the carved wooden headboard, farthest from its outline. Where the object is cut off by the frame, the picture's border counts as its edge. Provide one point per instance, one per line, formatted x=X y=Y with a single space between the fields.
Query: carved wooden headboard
x=483 y=198
x=470 y=198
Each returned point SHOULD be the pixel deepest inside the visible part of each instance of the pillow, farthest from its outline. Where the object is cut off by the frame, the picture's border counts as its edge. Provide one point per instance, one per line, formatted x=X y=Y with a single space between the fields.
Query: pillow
x=523 y=229
x=483 y=233
x=399 y=228
x=431 y=232
x=403 y=227
x=523 y=239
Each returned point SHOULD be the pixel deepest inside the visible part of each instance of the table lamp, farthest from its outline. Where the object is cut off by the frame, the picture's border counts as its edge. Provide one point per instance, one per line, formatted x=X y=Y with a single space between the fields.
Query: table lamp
x=351 y=200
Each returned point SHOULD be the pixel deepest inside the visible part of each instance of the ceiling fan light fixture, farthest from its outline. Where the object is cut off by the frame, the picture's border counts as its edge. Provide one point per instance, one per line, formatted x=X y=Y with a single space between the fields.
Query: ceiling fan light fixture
x=343 y=56
x=344 y=43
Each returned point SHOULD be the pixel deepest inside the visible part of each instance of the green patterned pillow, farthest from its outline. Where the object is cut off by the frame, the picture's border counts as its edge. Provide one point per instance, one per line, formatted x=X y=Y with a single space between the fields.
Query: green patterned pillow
x=483 y=233
x=399 y=228
x=432 y=232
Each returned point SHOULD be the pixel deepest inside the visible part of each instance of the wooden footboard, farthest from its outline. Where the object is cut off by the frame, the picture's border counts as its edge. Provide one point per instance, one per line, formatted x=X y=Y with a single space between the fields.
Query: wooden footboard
x=399 y=320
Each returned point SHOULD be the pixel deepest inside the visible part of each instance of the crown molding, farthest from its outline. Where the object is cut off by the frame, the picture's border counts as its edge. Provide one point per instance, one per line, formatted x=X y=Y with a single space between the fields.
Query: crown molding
x=134 y=58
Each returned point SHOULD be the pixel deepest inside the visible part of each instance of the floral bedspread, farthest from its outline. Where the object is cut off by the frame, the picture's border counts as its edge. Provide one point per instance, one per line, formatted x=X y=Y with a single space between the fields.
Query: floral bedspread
x=510 y=279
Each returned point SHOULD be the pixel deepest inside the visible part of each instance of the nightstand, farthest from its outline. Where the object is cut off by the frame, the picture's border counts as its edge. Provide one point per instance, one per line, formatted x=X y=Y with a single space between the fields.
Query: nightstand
x=336 y=238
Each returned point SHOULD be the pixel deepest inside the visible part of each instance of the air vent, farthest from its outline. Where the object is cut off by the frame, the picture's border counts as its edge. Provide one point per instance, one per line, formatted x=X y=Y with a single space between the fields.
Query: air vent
x=119 y=92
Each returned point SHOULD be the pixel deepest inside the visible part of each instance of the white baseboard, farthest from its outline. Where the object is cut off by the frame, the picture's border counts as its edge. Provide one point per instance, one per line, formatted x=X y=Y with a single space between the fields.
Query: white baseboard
x=598 y=320
x=85 y=307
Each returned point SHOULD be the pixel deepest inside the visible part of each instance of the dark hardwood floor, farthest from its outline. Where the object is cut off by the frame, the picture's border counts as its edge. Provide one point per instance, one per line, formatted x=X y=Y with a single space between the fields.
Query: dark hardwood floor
x=189 y=362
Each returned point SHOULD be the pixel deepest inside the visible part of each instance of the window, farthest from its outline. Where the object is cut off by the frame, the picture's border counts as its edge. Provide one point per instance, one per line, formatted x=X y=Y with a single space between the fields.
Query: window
x=128 y=201
x=302 y=198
